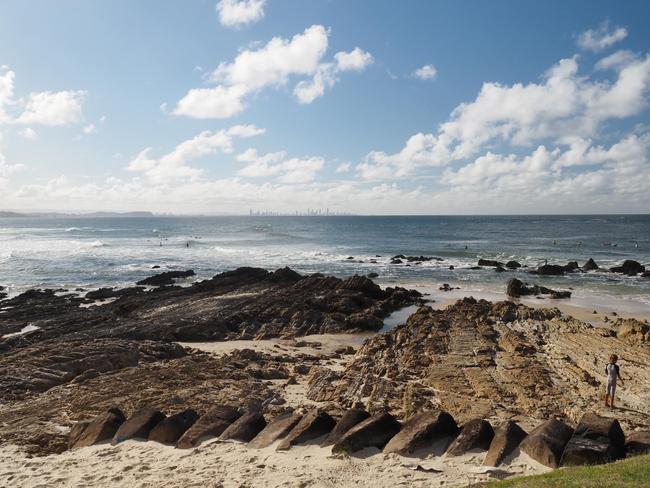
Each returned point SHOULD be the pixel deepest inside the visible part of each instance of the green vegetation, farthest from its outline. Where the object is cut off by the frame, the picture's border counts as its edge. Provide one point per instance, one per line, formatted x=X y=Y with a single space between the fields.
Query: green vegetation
x=633 y=473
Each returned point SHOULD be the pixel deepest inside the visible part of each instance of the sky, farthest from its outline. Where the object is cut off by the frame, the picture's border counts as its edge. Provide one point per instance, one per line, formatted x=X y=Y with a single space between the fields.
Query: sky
x=366 y=107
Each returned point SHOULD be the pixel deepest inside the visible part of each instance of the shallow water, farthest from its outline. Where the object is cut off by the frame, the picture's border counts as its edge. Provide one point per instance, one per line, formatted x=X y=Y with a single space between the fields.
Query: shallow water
x=93 y=252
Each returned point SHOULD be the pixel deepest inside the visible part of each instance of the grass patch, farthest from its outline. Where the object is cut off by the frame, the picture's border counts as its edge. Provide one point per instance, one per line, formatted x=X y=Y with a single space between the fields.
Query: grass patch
x=633 y=473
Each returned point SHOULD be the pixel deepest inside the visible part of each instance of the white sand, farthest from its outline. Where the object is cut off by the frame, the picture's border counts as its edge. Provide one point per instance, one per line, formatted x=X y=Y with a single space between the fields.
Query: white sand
x=226 y=464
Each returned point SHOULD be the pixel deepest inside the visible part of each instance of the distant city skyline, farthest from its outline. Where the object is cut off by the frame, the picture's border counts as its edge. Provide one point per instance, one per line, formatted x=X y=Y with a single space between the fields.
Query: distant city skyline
x=374 y=107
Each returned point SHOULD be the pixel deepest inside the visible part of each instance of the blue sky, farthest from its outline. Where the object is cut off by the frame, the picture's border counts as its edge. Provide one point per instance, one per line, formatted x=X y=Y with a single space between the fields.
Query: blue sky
x=416 y=107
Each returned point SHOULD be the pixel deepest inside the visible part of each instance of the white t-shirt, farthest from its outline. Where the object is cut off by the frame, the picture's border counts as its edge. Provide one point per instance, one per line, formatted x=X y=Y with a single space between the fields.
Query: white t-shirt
x=612 y=372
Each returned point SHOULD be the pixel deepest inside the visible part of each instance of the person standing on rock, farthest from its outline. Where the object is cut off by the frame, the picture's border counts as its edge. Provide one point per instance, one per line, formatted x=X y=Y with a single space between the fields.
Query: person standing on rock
x=613 y=373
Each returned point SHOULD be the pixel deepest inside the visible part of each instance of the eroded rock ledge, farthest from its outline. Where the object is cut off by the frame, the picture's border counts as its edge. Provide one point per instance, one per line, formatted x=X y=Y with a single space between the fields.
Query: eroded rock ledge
x=245 y=303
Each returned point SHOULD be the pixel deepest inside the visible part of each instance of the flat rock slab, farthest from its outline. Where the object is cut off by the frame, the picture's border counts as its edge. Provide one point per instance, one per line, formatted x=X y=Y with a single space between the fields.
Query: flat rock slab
x=139 y=425
x=245 y=428
x=375 y=431
x=275 y=430
x=475 y=434
x=596 y=440
x=101 y=428
x=211 y=424
x=169 y=430
x=314 y=424
x=638 y=443
x=546 y=443
x=507 y=438
x=422 y=430
x=350 y=419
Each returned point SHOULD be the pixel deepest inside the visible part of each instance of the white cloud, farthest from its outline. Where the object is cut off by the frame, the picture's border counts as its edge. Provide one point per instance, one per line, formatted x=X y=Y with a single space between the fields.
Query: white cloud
x=90 y=129
x=294 y=170
x=355 y=60
x=326 y=74
x=235 y=13
x=7 y=169
x=426 y=72
x=173 y=166
x=53 y=108
x=28 y=133
x=343 y=168
x=564 y=105
x=602 y=37
x=272 y=65
x=616 y=60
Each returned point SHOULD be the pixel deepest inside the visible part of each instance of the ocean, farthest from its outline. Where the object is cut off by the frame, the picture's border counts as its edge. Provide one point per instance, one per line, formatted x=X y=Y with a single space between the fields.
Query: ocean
x=58 y=252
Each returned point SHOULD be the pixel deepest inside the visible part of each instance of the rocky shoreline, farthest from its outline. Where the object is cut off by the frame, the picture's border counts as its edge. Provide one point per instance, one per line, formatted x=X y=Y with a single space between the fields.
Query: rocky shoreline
x=494 y=371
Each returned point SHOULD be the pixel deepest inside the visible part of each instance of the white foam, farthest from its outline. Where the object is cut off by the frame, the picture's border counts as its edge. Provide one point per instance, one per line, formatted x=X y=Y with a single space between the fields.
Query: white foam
x=25 y=330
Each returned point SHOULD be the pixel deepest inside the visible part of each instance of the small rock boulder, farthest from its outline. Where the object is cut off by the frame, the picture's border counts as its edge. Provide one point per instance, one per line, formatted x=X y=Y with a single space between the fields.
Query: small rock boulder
x=513 y=265
x=490 y=262
x=590 y=265
x=101 y=428
x=546 y=443
x=169 y=430
x=375 y=431
x=212 y=424
x=475 y=434
x=596 y=440
x=550 y=270
x=421 y=430
x=245 y=428
x=139 y=425
x=638 y=443
x=507 y=438
x=350 y=418
x=314 y=424
x=629 y=268
x=75 y=432
x=275 y=430
x=165 y=278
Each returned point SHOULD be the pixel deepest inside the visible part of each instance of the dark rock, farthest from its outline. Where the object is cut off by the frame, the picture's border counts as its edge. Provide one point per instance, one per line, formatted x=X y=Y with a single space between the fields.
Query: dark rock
x=169 y=430
x=596 y=440
x=245 y=428
x=638 y=443
x=499 y=269
x=516 y=288
x=372 y=275
x=350 y=419
x=212 y=424
x=590 y=265
x=513 y=265
x=572 y=266
x=165 y=278
x=421 y=430
x=490 y=262
x=645 y=274
x=101 y=428
x=507 y=438
x=139 y=425
x=550 y=270
x=629 y=268
x=314 y=424
x=275 y=430
x=286 y=275
x=375 y=431
x=545 y=444
x=396 y=261
x=475 y=434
